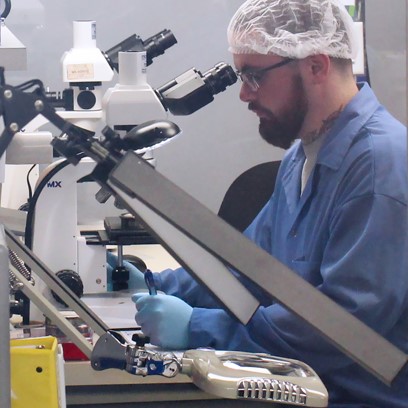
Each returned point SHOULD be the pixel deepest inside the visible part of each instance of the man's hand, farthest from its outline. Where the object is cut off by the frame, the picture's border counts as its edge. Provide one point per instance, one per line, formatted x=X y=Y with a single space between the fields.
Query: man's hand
x=165 y=319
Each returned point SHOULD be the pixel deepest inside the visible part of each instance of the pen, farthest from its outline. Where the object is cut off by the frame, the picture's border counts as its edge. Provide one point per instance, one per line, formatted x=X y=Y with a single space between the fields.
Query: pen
x=148 y=275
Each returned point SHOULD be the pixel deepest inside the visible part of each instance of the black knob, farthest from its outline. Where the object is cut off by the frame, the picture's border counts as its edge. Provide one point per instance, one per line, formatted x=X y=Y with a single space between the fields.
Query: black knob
x=72 y=280
x=140 y=339
x=86 y=100
x=120 y=278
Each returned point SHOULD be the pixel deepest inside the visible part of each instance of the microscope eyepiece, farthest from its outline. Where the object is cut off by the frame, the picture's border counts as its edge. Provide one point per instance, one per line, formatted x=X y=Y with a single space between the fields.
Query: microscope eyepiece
x=132 y=43
x=193 y=90
x=157 y=44
x=154 y=46
x=219 y=77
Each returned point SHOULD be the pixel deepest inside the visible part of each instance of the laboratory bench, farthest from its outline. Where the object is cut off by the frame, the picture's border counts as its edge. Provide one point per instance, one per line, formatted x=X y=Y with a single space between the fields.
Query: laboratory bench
x=86 y=387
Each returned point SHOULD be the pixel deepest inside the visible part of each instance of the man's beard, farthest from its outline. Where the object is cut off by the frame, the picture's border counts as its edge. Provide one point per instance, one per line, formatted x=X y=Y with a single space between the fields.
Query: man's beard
x=282 y=131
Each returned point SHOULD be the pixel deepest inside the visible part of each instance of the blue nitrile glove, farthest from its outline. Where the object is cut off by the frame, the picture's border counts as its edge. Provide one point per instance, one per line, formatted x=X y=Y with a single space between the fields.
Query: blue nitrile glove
x=164 y=318
x=136 y=278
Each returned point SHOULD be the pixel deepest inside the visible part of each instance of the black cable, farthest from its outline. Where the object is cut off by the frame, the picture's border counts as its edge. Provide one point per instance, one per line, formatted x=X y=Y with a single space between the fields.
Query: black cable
x=28 y=237
x=25 y=206
x=7 y=8
x=30 y=191
x=28 y=233
x=32 y=84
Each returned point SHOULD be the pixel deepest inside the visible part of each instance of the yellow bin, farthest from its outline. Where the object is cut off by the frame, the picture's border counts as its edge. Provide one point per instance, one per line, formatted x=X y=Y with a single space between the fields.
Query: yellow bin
x=35 y=373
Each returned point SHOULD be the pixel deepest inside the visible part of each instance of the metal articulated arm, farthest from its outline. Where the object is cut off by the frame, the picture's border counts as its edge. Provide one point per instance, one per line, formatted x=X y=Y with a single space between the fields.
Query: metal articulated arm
x=21 y=104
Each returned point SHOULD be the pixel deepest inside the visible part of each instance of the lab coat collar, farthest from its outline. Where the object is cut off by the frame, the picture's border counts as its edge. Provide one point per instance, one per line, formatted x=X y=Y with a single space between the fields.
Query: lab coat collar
x=334 y=148
x=341 y=135
x=354 y=116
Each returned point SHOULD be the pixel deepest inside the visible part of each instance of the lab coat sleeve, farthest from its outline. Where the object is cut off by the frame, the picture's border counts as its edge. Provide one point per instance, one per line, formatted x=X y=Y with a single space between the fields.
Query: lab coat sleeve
x=365 y=261
x=363 y=270
x=180 y=283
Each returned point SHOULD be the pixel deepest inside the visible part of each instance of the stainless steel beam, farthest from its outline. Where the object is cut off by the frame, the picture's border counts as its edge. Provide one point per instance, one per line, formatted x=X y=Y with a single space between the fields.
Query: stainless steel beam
x=55 y=284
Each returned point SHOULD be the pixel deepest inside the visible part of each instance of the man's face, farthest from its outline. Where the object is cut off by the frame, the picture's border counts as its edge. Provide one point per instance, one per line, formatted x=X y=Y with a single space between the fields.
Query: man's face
x=279 y=98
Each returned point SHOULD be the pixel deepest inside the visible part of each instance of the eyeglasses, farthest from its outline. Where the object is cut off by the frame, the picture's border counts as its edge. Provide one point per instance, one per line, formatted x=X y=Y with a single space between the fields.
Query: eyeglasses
x=253 y=77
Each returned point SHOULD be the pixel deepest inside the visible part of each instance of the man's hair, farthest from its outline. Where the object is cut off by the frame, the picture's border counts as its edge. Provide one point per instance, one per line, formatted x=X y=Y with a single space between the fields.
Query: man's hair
x=343 y=65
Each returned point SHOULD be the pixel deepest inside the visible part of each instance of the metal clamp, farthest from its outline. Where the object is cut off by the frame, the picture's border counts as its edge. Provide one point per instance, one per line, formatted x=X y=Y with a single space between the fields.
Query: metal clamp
x=113 y=351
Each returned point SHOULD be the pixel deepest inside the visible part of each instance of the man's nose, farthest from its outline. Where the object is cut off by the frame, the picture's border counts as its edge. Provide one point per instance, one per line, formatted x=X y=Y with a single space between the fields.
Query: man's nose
x=246 y=94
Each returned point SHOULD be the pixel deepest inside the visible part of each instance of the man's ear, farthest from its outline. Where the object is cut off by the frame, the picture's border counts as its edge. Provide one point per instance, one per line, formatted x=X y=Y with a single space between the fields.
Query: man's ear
x=317 y=67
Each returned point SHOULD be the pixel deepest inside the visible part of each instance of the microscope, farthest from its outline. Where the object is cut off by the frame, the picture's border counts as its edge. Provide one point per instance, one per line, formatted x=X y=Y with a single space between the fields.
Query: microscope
x=53 y=230
x=85 y=68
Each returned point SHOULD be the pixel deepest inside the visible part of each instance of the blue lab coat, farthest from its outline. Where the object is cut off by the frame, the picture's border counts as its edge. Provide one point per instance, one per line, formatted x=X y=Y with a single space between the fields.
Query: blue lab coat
x=346 y=235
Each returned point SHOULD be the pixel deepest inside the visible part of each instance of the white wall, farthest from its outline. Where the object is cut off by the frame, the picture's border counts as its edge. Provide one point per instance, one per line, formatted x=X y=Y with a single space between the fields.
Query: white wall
x=219 y=141
x=386 y=42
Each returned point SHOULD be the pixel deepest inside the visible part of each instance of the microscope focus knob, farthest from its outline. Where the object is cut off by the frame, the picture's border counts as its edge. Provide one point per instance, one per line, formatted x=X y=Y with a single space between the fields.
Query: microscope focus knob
x=86 y=99
x=72 y=280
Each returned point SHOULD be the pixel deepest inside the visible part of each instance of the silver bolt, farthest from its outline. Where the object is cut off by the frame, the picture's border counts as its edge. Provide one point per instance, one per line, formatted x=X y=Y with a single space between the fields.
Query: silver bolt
x=39 y=105
x=18 y=286
x=8 y=94
x=13 y=127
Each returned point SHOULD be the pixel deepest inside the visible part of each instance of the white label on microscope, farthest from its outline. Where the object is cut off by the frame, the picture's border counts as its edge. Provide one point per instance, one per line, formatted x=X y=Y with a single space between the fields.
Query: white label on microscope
x=80 y=71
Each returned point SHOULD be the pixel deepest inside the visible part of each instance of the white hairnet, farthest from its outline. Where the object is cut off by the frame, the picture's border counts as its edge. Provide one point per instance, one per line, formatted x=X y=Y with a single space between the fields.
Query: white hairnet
x=292 y=28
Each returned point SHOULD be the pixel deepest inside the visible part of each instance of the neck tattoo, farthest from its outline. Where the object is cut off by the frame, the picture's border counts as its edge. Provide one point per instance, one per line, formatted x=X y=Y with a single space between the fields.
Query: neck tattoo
x=327 y=124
